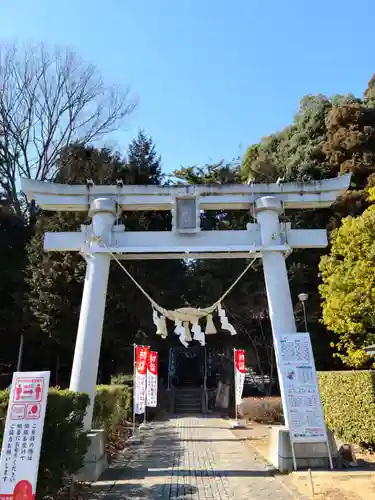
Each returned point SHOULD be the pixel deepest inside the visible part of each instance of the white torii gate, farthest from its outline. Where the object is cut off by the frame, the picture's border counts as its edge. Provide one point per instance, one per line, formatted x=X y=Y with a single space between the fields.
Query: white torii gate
x=268 y=239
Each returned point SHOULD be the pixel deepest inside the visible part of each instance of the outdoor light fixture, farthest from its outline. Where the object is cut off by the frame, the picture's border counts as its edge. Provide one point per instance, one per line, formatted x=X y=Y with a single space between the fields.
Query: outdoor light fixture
x=303 y=298
x=186 y=214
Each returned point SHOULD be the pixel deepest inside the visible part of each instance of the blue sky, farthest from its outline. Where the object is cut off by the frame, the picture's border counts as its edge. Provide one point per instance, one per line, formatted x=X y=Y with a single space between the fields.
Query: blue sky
x=212 y=77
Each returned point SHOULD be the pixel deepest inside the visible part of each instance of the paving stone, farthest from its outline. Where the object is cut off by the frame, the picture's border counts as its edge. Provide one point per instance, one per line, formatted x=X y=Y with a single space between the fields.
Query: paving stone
x=196 y=458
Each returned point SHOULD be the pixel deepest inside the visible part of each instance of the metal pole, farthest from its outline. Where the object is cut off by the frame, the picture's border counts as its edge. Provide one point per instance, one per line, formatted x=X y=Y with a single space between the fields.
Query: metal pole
x=205 y=379
x=145 y=413
x=134 y=387
x=235 y=385
x=144 y=423
x=57 y=370
x=294 y=455
x=20 y=352
x=205 y=369
x=304 y=315
x=169 y=370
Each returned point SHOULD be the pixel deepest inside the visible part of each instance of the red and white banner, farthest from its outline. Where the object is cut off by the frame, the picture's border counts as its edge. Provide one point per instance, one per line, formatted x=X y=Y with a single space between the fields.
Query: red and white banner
x=152 y=380
x=239 y=373
x=22 y=437
x=141 y=360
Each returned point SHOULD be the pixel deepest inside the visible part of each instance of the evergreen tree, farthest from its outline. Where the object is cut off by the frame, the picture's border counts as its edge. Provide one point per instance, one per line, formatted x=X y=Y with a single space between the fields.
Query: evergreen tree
x=13 y=315
x=348 y=287
x=143 y=162
x=56 y=279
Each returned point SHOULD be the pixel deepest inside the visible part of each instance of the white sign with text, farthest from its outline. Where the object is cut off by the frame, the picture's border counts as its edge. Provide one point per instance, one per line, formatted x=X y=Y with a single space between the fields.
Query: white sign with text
x=300 y=384
x=23 y=434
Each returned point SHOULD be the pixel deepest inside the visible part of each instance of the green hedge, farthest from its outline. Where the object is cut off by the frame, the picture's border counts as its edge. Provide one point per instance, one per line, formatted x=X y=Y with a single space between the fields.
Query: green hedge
x=113 y=406
x=122 y=379
x=349 y=405
x=64 y=444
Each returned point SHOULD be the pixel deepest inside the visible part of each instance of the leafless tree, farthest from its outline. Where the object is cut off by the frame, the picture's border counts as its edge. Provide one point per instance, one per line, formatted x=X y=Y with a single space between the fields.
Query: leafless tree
x=49 y=99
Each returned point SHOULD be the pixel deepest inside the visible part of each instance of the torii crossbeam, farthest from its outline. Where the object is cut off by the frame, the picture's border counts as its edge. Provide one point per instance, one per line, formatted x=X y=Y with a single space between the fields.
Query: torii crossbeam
x=268 y=239
x=177 y=245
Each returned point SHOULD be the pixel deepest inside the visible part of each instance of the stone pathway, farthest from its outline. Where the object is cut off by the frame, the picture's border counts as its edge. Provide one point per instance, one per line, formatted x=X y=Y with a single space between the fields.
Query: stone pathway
x=195 y=458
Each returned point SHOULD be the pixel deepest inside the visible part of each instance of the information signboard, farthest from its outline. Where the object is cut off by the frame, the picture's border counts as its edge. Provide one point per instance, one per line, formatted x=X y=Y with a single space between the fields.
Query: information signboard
x=300 y=387
x=23 y=433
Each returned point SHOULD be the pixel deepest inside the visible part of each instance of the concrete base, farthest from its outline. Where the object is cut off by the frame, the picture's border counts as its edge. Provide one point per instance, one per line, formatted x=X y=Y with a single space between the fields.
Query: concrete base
x=235 y=424
x=308 y=455
x=134 y=439
x=96 y=459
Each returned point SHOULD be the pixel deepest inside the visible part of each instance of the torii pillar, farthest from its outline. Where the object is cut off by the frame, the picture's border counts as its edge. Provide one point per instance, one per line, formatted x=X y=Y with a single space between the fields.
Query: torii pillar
x=89 y=336
x=280 y=306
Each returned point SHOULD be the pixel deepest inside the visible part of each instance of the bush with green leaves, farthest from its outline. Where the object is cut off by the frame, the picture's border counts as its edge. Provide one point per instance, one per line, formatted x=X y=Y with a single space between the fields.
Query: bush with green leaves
x=349 y=405
x=122 y=379
x=64 y=444
x=113 y=406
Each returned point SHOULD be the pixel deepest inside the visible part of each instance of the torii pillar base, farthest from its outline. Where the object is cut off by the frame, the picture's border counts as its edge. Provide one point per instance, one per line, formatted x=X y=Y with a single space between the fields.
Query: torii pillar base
x=308 y=455
x=95 y=462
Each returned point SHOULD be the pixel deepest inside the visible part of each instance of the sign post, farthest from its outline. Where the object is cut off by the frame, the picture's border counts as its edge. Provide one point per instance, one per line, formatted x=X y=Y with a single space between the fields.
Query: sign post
x=300 y=387
x=23 y=433
x=239 y=380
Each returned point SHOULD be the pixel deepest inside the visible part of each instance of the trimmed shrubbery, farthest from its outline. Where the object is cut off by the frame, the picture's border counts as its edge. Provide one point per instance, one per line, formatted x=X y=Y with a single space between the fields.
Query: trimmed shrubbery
x=113 y=406
x=64 y=444
x=349 y=405
x=122 y=379
x=348 y=399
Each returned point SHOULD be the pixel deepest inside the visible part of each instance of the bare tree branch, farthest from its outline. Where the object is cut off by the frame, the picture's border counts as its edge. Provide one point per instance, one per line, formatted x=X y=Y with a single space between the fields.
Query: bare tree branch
x=49 y=99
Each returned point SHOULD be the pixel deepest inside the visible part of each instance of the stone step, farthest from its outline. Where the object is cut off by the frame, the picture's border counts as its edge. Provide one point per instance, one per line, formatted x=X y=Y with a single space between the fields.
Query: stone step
x=188 y=408
x=184 y=403
x=188 y=403
x=188 y=400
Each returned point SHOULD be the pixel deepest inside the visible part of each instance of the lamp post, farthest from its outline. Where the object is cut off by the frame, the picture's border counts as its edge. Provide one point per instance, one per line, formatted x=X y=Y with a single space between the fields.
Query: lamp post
x=20 y=353
x=303 y=298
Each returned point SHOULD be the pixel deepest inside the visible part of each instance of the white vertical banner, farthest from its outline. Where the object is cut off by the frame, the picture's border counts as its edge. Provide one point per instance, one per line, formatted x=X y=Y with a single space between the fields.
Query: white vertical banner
x=152 y=380
x=141 y=359
x=239 y=367
x=23 y=432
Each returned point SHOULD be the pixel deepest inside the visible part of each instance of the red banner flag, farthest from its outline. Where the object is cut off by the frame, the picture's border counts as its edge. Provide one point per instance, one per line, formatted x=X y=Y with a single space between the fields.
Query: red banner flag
x=240 y=370
x=152 y=380
x=141 y=361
